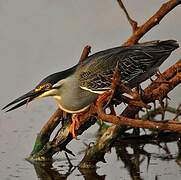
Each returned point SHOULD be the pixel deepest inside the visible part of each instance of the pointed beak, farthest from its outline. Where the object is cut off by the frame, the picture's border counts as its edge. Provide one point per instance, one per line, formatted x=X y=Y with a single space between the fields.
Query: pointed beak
x=26 y=98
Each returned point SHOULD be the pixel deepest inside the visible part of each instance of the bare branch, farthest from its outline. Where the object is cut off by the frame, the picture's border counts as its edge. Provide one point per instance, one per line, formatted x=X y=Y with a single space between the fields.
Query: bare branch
x=151 y=22
x=44 y=135
x=85 y=53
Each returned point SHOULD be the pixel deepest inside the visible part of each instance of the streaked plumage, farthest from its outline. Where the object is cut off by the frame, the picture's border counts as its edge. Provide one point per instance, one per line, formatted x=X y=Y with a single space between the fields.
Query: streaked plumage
x=133 y=63
x=76 y=88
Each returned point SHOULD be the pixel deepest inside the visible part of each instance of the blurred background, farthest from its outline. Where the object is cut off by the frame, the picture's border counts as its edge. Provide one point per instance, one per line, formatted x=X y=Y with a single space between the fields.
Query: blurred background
x=40 y=37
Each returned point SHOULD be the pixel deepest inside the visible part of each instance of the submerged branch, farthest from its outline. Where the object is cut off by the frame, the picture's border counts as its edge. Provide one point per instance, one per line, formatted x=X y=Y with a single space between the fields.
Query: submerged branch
x=43 y=136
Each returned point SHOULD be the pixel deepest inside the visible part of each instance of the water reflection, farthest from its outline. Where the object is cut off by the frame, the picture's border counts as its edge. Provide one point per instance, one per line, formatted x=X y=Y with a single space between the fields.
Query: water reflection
x=130 y=150
x=133 y=152
x=45 y=170
x=90 y=174
x=49 y=172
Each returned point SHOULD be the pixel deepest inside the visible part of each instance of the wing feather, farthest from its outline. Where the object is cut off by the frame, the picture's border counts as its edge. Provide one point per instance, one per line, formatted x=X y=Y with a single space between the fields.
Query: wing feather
x=96 y=72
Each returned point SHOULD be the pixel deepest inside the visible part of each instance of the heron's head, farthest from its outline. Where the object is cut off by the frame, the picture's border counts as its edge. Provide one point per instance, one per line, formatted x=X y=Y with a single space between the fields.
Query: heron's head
x=50 y=86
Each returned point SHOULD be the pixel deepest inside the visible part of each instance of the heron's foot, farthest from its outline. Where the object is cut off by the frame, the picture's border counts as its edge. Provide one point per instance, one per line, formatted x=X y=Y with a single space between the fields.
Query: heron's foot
x=74 y=125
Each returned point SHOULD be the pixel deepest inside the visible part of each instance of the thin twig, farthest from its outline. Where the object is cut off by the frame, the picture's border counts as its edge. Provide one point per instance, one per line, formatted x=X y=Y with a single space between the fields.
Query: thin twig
x=132 y=22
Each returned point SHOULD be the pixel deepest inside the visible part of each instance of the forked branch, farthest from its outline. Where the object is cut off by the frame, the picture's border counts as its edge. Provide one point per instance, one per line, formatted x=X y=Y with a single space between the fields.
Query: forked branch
x=140 y=31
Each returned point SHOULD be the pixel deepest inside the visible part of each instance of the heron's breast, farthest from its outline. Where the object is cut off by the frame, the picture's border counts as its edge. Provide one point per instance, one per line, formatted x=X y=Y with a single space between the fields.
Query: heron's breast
x=73 y=99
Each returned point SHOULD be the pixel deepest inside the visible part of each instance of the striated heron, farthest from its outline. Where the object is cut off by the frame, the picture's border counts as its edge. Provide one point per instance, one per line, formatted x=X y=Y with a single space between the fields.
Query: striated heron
x=76 y=88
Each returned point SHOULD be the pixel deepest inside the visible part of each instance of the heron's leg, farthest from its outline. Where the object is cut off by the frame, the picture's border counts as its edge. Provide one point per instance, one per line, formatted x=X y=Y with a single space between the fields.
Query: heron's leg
x=76 y=118
x=75 y=122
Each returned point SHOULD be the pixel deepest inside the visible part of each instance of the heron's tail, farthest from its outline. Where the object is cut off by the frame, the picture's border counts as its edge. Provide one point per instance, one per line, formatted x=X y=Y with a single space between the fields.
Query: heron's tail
x=169 y=45
x=155 y=52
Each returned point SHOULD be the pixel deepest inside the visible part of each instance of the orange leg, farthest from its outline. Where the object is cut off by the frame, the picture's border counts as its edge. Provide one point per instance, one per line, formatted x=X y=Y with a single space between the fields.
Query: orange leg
x=75 y=124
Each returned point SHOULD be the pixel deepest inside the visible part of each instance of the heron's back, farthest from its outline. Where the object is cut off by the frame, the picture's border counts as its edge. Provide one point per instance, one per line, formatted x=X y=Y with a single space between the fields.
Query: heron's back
x=136 y=63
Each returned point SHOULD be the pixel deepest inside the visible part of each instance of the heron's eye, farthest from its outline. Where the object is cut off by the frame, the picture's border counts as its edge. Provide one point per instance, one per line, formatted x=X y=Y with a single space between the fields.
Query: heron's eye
x=46 y=86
